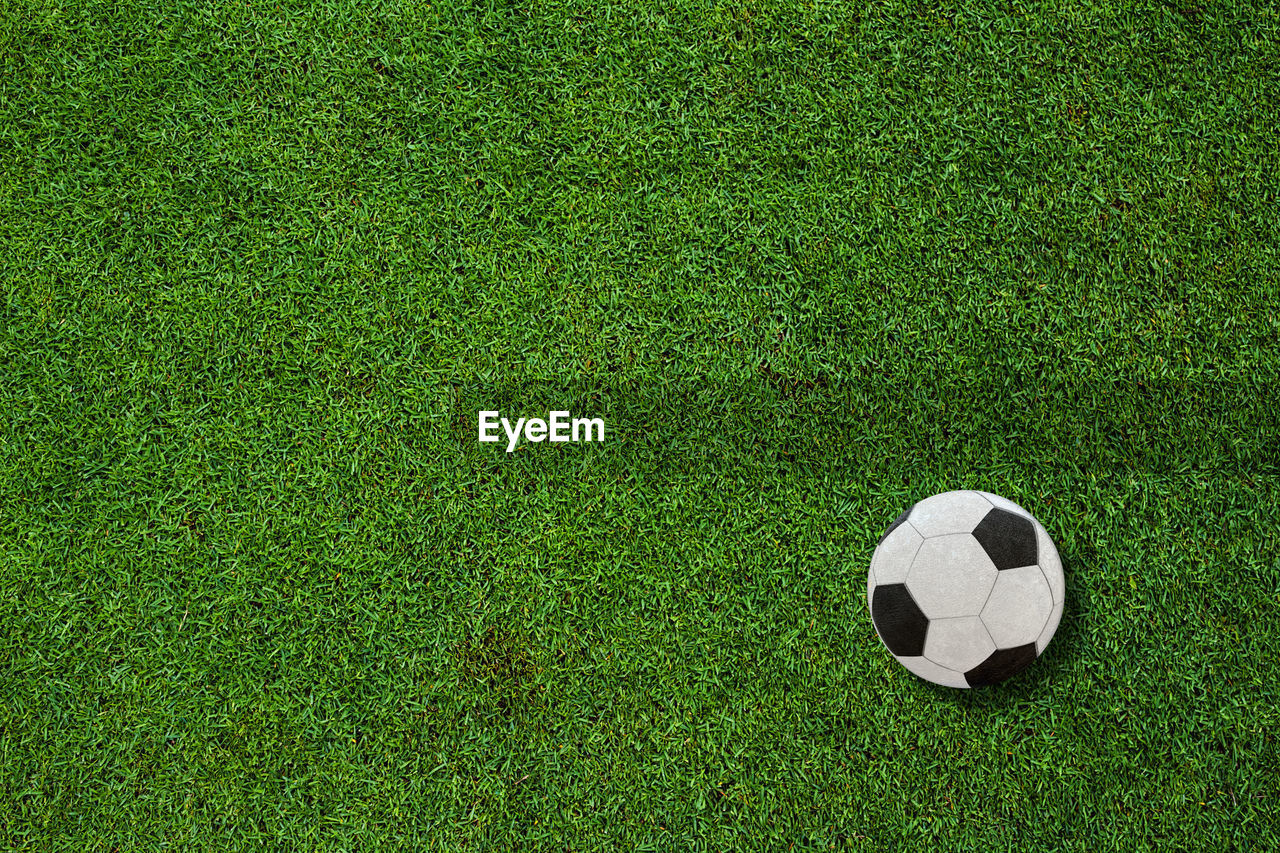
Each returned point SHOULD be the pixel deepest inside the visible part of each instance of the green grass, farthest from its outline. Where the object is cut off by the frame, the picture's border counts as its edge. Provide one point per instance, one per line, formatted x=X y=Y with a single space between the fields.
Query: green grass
x=259 y=270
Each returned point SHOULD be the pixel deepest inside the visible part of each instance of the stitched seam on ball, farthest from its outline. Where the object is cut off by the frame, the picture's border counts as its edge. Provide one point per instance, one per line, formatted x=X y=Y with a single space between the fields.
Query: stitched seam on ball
x=988 y=598
x=984 y=497
x=1052 y=603
x=983 y=623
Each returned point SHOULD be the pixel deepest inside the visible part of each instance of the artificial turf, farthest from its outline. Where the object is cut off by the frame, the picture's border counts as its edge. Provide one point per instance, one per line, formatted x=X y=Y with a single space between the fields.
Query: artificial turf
x=261 y=266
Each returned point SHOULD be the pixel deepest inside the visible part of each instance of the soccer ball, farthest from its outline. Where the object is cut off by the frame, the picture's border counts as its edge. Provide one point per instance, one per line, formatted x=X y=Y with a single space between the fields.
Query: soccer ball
x=966 y=589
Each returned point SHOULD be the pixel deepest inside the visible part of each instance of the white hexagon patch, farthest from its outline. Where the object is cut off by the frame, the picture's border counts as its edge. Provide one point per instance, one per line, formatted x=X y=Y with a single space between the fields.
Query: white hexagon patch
x=949 y=512
x=959 y=643
x=951 y=576
x=1019 y=606
x=893 y=556
x=930 y=671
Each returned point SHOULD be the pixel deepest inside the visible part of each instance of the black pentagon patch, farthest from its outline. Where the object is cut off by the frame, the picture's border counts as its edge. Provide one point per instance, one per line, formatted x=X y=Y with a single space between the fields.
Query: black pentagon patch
x=1002 y=664
x=897 y=521
x=900 y=623
x=1008 y=538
